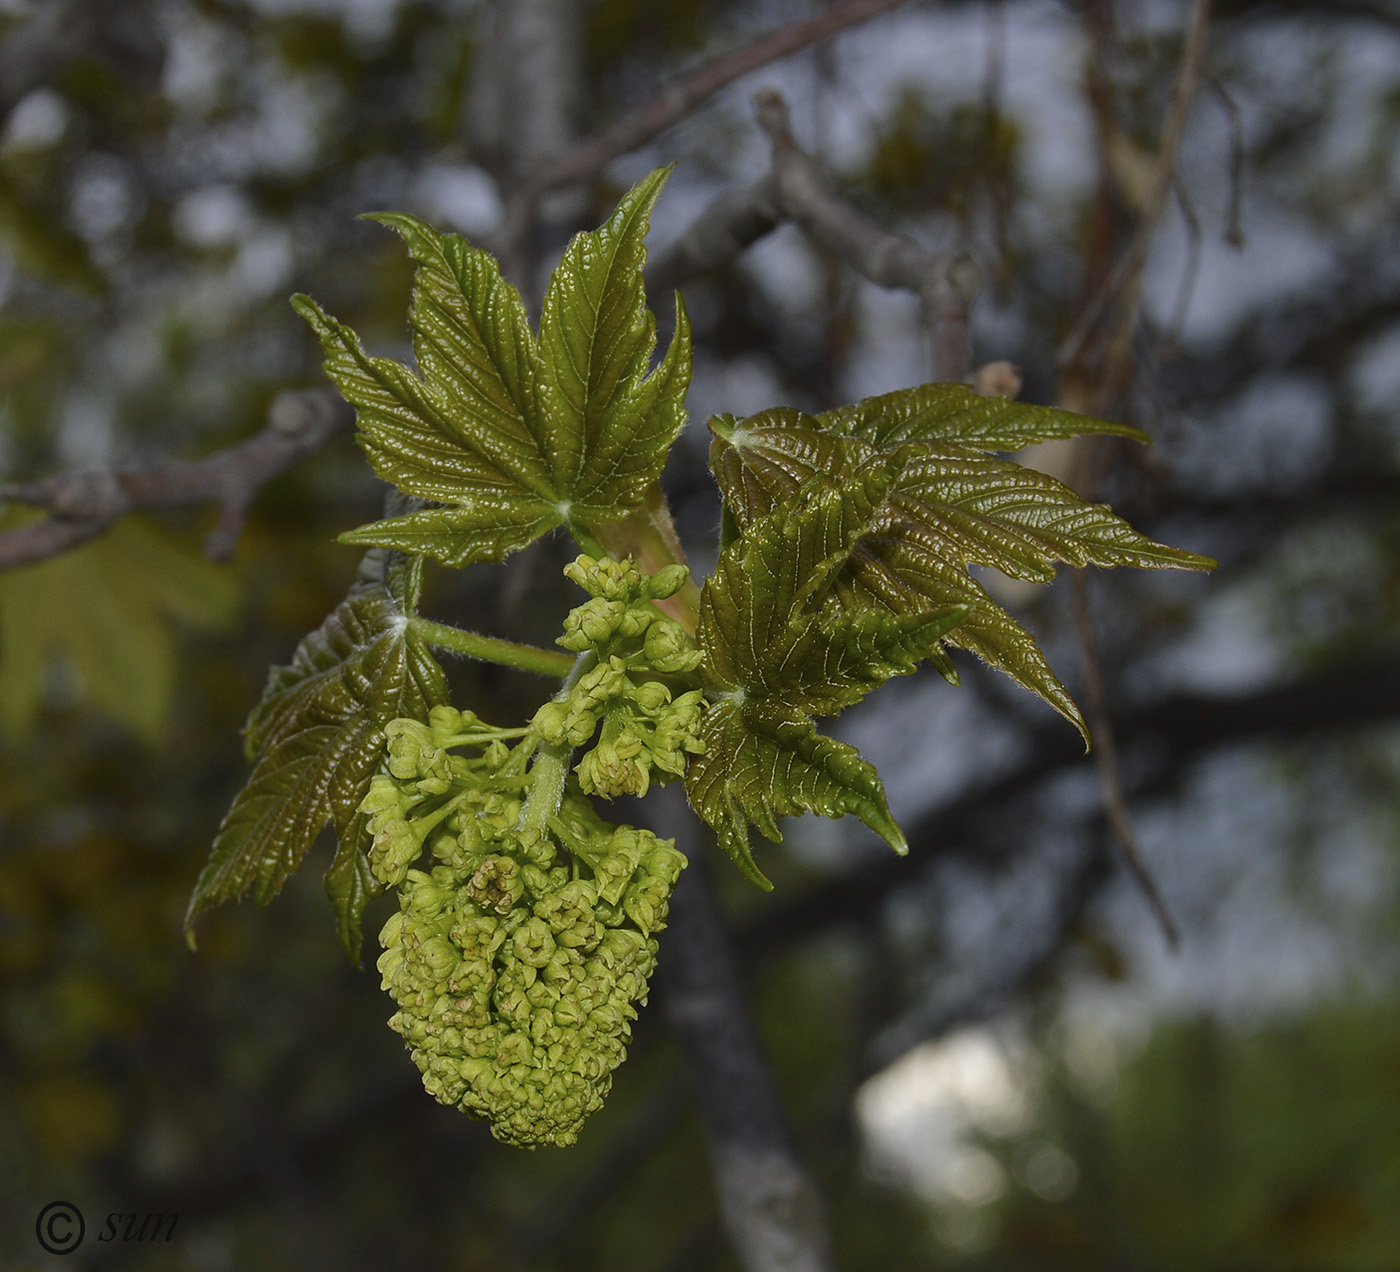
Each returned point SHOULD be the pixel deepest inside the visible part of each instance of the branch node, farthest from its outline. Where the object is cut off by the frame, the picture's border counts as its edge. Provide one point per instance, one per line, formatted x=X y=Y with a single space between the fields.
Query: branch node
x=94 y=495
x=998 y=379
x=771 y=112
x=220 y=542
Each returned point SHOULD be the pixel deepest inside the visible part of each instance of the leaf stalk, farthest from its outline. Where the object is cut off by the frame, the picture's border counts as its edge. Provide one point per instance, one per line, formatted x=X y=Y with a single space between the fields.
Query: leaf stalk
x=506 y=653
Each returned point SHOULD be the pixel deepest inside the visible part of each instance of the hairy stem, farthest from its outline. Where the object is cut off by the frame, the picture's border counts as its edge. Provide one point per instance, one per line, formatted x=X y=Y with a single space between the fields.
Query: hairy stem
x=585 y=541
x=508 y=653
x=549 y=770
x=649 y=537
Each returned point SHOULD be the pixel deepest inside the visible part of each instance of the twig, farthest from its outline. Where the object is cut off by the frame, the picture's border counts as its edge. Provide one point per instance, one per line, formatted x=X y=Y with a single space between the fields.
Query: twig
x=1234 y=231
x=84 y=504
x=946 y=283
x=769 y=1205
x=682 y=95
x=726 y=226
x=1190 y=271
x=1096 y=365
x=1110 y=780
x=1118 y=298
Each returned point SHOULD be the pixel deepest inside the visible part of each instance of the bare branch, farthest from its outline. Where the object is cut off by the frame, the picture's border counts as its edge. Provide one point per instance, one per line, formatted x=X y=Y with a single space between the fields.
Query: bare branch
x=1190 y=272
x=946 y=283
x=1115 y=803
x=728 y=225
x=769 y=1206
x=683 y=95
x=83 y=504
x=1104 y=330
x=1234 y=231
x=998 y=379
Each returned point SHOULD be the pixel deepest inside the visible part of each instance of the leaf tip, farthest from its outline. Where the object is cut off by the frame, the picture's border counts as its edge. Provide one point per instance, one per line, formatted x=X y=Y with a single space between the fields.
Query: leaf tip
x=192 y=911
x=883 y=824
x=400 y=221
x=360 y=536
x=722 y=426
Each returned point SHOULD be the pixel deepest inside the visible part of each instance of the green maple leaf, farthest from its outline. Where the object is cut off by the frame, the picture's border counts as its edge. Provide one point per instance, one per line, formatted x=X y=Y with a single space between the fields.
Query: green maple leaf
x=516 y=435
x=950 y=505
x=318 y=737
x=103 y=611
x=775 y=656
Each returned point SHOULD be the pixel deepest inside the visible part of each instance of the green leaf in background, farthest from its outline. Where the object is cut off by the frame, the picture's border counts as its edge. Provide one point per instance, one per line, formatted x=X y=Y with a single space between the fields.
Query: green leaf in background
x=516 y=436
x=951 y=504
x=318 y=738
x=775 y=655
x=103 y=612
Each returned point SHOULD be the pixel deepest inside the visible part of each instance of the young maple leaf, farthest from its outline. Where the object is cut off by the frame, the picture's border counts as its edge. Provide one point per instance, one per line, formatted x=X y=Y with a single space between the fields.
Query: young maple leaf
x=774 y=658
x=318 y=738
x=516 y=435
x=950 y=504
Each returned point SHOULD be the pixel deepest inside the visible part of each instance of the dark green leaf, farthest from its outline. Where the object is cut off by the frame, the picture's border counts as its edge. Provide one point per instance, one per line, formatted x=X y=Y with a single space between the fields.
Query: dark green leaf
x=610 y=426
x=775 y=655
x=516 y=437
x=956 y=413
x=949 y=505
x=318 y=737
x=351 y=885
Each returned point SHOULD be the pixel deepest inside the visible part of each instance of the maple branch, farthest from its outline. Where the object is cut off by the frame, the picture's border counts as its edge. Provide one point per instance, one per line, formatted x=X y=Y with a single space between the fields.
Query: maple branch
x=727 y=225
x=82 y=504
x=1115 y=803
x=681 y=96
x=1104 y=330
x=945 y=282
x=768 y=1203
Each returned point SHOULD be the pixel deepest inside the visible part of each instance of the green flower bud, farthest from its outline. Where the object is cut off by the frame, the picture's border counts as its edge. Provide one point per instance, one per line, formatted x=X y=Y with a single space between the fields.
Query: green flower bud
x=668 y=650
x=651 y=696
x=612 y=580
x=606 y=681
x=425 y=896
x=569 y=913
x=384 y=796
x=551 y=721
x=394 y=848
x=612 y=768
x=446 y=723
x=667 y=581
x=439 y=957
x=496 y=884
x=534 y=944
x=415 y=756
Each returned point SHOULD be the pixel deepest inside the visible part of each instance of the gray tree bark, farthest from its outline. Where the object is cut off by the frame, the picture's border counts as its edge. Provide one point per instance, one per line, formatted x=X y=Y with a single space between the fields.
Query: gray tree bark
x=768 y=1204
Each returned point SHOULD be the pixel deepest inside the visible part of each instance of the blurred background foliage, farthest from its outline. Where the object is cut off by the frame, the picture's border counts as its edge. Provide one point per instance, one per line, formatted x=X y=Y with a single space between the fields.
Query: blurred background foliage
x=991 y=1059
